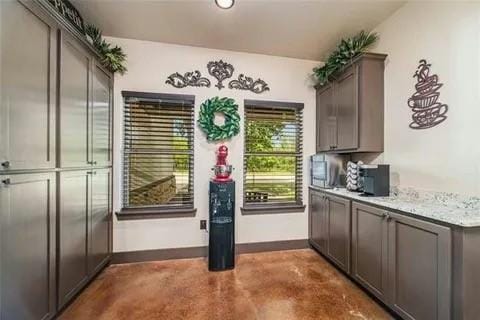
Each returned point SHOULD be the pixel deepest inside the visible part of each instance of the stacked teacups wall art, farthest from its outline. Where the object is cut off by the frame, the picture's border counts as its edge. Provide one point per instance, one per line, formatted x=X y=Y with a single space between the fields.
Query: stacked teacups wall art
x=427 y=110
x=353 y=176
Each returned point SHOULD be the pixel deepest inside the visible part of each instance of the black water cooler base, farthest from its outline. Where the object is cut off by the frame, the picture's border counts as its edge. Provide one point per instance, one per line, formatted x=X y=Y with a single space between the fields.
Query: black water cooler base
x=221 y=249
x=221 y=246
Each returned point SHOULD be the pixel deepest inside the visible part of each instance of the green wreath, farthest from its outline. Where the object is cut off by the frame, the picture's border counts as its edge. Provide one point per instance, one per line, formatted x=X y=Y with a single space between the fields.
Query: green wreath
x=206 y=118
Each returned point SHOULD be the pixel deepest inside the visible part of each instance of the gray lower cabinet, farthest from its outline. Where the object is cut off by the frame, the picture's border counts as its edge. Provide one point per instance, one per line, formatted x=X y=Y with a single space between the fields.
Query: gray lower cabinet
x=329 y=227
x=27 y=95
x=318 y=221
x=84 y=228
x=338 y=231
x=27 y=246
x=370 y=248
x=99 y=219
x=419 y=268
x=73 y=233
x=403 y=261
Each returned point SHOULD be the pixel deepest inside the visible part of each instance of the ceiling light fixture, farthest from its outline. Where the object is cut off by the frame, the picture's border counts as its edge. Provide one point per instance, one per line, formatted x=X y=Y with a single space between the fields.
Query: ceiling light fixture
x=225 y=4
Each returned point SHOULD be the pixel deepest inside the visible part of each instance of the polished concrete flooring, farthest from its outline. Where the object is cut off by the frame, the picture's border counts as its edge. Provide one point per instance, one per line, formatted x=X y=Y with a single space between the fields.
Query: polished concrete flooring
x=282 y=285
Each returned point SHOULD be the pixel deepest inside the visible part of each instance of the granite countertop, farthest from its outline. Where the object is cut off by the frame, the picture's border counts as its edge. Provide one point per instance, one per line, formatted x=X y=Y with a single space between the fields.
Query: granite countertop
x=449 y=208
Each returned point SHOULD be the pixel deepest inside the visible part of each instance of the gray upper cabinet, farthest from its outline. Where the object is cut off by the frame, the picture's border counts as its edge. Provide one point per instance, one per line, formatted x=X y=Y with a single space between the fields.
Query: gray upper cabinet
x=338 y=231
x=100 y=217
x=73 y=233
x=74 y=104
x=27 y=246
x=27 y=93
x=350 y=108
x=326 y=132
x=419 y=268
x=101 y=115
x=318 y=221
x=370 y=248
x=346 y=100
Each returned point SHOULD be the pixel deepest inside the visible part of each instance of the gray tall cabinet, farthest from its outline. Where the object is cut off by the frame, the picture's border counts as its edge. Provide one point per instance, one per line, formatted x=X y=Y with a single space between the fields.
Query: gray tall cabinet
x=55 y=162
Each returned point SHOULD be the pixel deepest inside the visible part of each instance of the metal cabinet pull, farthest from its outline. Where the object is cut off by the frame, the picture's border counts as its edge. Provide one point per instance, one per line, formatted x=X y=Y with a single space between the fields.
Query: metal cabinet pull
x=387 y=216
x=6 y=181
x=6 y=164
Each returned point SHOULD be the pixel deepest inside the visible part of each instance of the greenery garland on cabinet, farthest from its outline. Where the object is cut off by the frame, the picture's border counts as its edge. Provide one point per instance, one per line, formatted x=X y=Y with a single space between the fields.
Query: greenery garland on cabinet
x=113 y=58
x=206 y=119
x=345 y=52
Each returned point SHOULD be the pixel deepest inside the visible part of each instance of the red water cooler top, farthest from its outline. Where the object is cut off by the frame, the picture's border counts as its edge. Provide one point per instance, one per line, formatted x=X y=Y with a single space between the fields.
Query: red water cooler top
x=221 y=168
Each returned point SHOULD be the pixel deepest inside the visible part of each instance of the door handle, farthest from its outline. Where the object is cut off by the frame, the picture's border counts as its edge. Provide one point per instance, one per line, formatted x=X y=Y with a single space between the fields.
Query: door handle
x=6 y=181
x=6 y=164
x=387 y=216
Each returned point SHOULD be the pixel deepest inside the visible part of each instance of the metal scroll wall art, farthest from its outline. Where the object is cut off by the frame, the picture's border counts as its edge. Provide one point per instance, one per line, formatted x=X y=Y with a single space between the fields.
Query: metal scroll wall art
x=427 y=110
x=247 y=83
x=193 y=79
x=221 y=71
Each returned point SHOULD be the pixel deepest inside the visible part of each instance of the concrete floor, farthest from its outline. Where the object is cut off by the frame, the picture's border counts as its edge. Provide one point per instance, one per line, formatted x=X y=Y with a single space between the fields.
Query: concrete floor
x=282 y=285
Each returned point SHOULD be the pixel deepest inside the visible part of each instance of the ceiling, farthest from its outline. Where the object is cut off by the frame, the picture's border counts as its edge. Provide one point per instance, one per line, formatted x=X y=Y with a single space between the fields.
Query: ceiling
x=291 y=28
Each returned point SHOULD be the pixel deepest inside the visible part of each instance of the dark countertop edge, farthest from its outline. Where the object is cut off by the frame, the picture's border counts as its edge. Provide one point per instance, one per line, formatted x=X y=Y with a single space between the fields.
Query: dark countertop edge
x=394 y=210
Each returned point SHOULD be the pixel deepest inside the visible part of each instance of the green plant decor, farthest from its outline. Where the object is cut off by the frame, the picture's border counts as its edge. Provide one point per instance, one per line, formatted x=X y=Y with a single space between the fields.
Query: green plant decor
x=206 y=119
x=113 y=58
x=345 y=52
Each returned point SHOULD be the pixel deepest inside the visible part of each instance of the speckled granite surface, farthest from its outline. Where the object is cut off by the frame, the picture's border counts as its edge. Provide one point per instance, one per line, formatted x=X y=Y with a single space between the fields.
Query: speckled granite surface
x=449 y=208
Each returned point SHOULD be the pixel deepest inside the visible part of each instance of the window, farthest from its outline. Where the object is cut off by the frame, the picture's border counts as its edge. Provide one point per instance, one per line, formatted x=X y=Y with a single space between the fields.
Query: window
x=158 y=151
x=273 y=156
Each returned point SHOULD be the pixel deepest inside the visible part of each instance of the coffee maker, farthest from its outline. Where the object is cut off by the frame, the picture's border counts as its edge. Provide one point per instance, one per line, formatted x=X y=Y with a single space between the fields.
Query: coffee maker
x=375 y=180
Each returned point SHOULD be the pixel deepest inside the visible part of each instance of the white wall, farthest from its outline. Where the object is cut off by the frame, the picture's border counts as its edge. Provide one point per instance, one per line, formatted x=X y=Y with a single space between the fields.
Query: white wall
x=149 y=64
x=447 y=34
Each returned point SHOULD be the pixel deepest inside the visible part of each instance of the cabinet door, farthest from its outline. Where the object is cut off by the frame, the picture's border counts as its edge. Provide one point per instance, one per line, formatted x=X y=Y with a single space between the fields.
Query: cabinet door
x=419 y=268
x=27 y=93
x=318 y=221
x=326 y=119
x=100 y=217
x=370 y=249
x=27 y=246
x=72 y=242
x=101 y=112
x=338 y=231
x=74 y=93
x=346 y=102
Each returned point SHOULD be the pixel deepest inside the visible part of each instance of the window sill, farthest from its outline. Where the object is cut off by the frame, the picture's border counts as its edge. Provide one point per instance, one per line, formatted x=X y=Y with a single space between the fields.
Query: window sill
x=272 y=209
x=153 y=213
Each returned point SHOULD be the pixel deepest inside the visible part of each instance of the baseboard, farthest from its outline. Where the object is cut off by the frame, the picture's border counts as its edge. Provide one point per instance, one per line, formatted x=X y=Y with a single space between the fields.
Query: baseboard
x=158 y=254
x=197 y=252
x=271 y=246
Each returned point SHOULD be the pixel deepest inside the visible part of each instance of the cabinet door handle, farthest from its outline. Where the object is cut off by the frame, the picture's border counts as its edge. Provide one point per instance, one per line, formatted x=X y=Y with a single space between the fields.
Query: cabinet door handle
x=6 y=181
x=387 y=216
x=6 y=164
